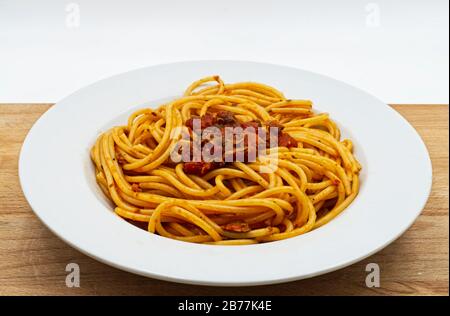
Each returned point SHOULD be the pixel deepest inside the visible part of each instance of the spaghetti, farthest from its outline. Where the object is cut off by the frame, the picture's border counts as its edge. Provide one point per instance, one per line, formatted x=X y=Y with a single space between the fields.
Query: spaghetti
x=314 y=174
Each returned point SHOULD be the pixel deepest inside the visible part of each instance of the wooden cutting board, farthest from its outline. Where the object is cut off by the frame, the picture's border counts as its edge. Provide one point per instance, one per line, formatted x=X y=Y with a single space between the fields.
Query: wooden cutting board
x=33 y=260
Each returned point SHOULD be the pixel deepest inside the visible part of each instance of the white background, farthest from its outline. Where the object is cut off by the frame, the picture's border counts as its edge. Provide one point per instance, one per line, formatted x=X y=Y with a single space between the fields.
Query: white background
x=397 y=50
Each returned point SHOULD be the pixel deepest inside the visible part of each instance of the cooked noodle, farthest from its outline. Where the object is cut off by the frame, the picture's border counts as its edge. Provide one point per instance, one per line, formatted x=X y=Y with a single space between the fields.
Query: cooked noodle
x=315 y=178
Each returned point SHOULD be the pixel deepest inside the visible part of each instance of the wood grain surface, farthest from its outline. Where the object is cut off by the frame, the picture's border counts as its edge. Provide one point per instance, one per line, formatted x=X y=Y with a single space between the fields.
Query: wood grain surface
x=33 y=260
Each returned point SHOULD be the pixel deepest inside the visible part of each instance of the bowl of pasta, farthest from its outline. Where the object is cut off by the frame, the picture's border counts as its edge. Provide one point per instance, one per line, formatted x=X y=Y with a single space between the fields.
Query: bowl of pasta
x=224 y=173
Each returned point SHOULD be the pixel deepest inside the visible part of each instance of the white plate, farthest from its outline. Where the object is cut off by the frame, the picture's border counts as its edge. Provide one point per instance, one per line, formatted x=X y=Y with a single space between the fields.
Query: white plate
x=58 y=180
